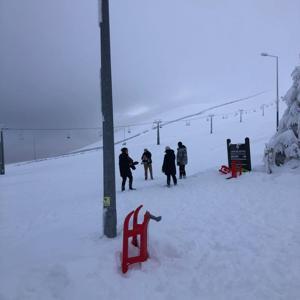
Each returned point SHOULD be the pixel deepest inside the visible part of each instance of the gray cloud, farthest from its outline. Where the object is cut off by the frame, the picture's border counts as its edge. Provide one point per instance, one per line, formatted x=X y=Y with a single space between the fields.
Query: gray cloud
x=164 y=53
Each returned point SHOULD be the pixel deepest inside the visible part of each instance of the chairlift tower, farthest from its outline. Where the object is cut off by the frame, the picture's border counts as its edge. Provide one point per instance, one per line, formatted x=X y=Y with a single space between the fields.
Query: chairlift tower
x=157 y=122
x=211 y=123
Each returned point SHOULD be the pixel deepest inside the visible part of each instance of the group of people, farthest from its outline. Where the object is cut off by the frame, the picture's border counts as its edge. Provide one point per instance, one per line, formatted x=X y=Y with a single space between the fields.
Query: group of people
x=126 y=164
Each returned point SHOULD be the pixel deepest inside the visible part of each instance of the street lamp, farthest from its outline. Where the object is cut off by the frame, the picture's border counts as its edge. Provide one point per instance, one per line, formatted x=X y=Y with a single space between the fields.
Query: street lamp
x=277 y=93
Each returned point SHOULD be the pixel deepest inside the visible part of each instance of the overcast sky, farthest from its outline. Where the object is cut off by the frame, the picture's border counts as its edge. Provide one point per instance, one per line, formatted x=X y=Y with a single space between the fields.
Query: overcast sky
x=164 y=53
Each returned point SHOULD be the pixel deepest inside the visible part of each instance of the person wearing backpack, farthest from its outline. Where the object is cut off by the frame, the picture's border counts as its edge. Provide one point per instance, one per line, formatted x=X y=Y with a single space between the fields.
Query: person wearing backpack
x=147 y=162
x=182 y=159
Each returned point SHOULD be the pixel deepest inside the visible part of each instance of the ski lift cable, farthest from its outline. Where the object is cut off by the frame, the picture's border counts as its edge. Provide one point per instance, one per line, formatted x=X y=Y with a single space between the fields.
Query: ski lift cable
x=134 y=136
x=138 y=124
x=50 y=129
x=214 y=107
x=184 y=119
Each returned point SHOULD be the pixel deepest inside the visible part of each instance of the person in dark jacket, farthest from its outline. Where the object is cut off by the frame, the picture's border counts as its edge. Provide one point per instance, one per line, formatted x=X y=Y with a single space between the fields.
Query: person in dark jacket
x=126 y=164
x=182 y=159
x=169 y=167
x=147 y=162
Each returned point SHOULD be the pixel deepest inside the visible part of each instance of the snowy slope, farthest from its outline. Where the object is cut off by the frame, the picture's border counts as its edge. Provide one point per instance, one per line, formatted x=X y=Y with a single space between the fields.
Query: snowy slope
x=218 y=239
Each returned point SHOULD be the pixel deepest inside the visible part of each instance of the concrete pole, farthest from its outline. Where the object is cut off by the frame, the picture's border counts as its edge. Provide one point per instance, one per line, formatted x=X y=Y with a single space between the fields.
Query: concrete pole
x=109 y=188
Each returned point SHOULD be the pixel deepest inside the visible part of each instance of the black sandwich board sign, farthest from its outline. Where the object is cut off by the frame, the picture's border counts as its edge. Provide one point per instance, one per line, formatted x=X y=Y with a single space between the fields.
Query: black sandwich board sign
x=239 y=153
x=2 y=164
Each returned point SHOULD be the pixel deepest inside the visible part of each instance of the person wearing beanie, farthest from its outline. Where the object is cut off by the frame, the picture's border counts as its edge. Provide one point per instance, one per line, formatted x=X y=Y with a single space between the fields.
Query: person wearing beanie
x=147 y=162
x=169 y=167
x=125 y=165
x=182 y=159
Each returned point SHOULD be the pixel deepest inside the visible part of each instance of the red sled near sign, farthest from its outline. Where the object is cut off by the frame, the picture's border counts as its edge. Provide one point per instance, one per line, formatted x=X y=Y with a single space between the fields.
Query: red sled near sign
x=224 y=170
x=235 y=170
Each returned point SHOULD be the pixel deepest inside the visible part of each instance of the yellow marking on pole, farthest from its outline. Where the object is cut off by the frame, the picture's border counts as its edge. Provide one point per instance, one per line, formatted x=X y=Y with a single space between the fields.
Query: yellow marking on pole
x=106 y=201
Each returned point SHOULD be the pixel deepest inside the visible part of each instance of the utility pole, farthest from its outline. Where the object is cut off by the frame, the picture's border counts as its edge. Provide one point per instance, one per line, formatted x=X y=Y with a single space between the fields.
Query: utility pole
x=157 y=122
x=2 y=162
x=109 y=187
x=211 y=123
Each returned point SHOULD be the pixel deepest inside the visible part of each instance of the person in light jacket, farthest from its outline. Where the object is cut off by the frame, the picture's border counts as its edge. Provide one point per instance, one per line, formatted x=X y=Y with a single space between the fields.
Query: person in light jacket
x=147 y=162
x=182 y=159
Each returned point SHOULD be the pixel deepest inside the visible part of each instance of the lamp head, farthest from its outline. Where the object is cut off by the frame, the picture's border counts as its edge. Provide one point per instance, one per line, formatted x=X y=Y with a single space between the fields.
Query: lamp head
x=264 y=54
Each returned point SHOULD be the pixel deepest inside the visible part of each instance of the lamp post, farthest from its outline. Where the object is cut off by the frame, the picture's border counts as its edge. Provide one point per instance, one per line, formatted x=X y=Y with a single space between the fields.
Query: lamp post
x=277 y=89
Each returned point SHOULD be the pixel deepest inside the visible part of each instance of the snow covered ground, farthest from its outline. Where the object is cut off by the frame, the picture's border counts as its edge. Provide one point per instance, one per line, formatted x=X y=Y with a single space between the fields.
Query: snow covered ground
x=218 y=238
